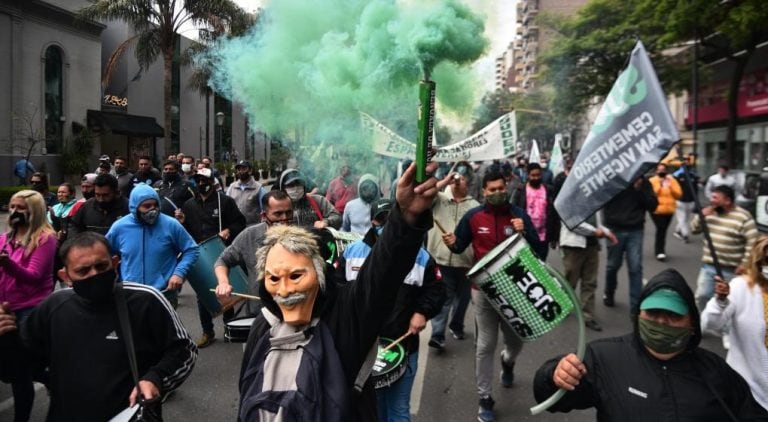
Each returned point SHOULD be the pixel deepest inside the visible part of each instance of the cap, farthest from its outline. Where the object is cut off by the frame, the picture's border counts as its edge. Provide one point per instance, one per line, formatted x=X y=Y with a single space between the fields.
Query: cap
x=204 y=172
x=289 y=176
x=380 y=206
x=243 y=163
x=666 y=299
x=104 y=157
x=89 y=178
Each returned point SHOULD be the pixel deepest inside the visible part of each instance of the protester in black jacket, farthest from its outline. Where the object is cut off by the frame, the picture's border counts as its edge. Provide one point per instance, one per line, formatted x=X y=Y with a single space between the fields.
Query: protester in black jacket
x=98 y=213
x=173 y=190
x=656 y=373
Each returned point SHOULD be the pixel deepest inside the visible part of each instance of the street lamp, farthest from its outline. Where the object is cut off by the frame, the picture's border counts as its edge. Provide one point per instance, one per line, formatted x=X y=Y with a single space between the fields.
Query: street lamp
x=220 y=124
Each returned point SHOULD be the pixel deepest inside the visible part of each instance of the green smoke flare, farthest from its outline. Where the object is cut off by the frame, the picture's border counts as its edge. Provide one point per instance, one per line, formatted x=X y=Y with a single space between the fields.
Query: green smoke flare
x=308 y=67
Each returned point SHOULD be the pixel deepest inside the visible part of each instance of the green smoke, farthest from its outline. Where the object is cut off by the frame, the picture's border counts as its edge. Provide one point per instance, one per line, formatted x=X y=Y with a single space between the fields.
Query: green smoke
x=309 y=67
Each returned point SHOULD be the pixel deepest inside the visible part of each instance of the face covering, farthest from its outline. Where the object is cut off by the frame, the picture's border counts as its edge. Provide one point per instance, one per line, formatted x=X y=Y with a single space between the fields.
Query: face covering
x=120 y=170
x=543 y=165
x=662 y=338
x=379 y=230
x=89 y=195
x=295 y=193
x=764 y=271
x=96 y=289
x=18 y=218
x=104 y=205
x=244 y=177
x=662 y=174
x=719 y=209
x=497 y=199
x=535 y=183
x=170 y=177
x=38 y=187
x=186 y=168
x=149 y=217
x=204 y=187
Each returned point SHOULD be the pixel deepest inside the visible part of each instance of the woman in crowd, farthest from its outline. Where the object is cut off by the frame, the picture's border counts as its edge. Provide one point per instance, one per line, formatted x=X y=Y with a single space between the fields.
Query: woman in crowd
x=26 y=278
x=742 y=304
x=60 y=213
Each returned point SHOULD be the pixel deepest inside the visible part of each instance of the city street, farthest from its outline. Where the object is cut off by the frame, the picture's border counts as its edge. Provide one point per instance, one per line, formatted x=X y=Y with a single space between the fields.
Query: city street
x=445 y=385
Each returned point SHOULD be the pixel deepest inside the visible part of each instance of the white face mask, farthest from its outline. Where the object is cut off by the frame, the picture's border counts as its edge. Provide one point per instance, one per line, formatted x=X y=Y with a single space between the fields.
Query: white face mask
x=186 y=168
x=295 y=192
x=764 y=271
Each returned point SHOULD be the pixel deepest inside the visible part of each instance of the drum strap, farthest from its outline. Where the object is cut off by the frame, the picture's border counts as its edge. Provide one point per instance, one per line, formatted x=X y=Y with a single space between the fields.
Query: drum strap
x=367 y=368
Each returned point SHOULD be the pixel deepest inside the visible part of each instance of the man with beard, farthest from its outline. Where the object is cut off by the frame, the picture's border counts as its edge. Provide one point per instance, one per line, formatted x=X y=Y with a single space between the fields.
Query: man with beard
x=656 y=373
x=154 y=248
x=537 y=198
x=75 y=334
x=485 y=227
x=124 y=177
x=100 y=212
x=146 y=173
x=210 y=213
x=278 y=210
x=357 y=213
x=308 y=346
x=247 y=193
x=309 y=210
x=173 y=190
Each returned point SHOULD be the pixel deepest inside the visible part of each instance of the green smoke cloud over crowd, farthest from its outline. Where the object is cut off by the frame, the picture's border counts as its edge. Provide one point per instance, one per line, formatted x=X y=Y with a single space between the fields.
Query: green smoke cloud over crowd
x=309 y=67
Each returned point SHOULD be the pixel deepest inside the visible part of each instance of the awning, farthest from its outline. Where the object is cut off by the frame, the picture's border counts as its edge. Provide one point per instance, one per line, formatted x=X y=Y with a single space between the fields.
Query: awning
x=125 y=124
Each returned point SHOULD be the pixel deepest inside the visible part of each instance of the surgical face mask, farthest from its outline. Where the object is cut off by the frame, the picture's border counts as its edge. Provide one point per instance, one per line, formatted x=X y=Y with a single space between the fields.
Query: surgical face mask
x=150 y=217
x=764 y=271
x=543 y=165
x=186 y=168
x=98 y=288
x=496 y=199
x=295 y=192
x=170 y=177
x=662 y=338
x=18 y=219
x=379 y=230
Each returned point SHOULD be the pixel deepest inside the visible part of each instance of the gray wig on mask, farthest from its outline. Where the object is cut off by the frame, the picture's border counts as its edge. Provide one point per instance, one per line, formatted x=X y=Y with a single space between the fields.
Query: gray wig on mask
x=295 y=240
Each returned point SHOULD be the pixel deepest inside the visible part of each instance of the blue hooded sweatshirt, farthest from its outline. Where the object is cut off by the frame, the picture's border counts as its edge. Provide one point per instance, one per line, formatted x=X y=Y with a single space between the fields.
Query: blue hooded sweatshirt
x=148 y=253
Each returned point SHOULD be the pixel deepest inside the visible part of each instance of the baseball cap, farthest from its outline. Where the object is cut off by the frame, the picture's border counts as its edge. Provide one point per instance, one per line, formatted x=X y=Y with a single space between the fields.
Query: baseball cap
x=289 y=176
x=243 y=163
x=89 y=178
x=104 y=157
x=204 y=172
x=666 y=299
x=380 y=206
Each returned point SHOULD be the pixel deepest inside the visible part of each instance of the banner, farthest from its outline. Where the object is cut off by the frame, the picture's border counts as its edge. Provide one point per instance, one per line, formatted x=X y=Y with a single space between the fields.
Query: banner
x=633 y=131
x=495 y=141
x=556 y=158
x=534 y=157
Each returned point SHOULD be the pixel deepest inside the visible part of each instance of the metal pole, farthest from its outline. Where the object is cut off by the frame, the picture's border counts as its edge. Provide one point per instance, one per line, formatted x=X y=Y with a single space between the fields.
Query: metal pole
x=695 y=88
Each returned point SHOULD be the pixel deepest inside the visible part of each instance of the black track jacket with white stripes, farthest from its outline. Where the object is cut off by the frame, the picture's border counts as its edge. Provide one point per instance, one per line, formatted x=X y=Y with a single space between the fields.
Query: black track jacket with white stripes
x=89 y=377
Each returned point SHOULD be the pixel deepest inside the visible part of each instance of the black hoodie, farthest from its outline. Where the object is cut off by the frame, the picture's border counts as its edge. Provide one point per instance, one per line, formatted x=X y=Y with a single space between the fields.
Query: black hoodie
x=624 y=382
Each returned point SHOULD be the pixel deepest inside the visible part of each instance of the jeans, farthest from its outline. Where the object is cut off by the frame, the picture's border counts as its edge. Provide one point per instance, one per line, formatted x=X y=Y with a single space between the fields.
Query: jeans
x=661 y=222
x=705 y=283
x=581 y=264
x=631 y=243
x=683 y=213
x=457 y=297
x=487 y=324
x=394 y=402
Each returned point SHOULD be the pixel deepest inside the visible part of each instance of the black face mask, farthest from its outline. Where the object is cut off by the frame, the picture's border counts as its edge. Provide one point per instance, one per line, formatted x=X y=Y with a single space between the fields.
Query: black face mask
x=204 y=187
x=535 y=183
x=244 y=177
x=18 y=219
x=104 y=205
x=662 y=174
x=98 y=288
x=88 y=195
x=720 y=210
x=170 y=177
x=38 y=187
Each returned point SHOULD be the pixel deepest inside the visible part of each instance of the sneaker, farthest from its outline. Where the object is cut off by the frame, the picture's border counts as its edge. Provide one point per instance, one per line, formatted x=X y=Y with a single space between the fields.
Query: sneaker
x=661 y=257
x=485 y=412
x=205 y=340
x=608 y=300
x=593 y=325
x=457 y=334
x=507 y=373
x=678 y=235
x=685 y=239
x=437 y=344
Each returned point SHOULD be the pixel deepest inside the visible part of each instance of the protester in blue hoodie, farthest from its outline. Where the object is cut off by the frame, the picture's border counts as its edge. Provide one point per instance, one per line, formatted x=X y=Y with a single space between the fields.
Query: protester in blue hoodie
x=149 y=243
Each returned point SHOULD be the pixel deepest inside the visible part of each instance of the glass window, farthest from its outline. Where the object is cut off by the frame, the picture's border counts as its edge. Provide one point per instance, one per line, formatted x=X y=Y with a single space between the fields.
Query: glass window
x=54 y=76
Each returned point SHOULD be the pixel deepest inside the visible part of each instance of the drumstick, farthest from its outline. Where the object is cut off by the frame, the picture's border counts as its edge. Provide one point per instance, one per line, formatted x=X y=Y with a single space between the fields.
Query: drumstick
x=396 y=342
x=440 y=226
x=241 y=295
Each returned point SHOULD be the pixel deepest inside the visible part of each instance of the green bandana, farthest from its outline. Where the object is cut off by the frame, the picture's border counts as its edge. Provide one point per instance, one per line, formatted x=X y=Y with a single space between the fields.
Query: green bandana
x=662 y=338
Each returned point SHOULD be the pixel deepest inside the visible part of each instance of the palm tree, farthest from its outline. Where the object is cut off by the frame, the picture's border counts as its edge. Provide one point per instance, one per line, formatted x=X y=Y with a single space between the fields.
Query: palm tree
x=156 y=24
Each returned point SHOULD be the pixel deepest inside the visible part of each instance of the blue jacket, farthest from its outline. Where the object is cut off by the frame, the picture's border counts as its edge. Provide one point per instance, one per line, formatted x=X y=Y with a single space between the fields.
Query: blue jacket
x=148 y=254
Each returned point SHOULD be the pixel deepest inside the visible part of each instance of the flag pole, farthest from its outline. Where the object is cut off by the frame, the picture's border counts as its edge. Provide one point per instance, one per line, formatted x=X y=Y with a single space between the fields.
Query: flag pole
x=702 y=220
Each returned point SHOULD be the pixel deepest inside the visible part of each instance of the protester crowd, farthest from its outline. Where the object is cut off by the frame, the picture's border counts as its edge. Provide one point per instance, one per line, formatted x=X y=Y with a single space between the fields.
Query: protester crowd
x=366 y=258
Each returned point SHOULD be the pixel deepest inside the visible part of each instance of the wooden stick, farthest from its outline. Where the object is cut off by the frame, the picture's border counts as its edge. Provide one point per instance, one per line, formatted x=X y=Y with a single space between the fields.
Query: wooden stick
x=440 y=226
x=252 y=297
x=396 y=342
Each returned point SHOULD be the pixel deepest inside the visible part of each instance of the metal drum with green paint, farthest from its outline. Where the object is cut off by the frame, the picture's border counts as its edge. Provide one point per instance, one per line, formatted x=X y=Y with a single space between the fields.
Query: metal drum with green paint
x=390 y=364
x=521 y=289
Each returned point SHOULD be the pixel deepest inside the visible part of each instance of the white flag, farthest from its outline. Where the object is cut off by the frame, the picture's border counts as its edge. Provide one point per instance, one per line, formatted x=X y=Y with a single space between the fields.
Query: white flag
x=534 y=157
x=556 y=158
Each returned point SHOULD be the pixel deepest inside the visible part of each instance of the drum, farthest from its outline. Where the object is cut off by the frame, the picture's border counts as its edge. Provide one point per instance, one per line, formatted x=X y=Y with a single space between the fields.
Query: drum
x=237 y=330
x=390 y=365
x=202 y=278
x=521 y=288
x=337 y=241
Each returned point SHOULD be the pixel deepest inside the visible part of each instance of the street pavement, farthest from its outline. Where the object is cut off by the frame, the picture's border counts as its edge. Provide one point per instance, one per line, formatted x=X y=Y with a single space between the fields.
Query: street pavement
x=445 y=385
